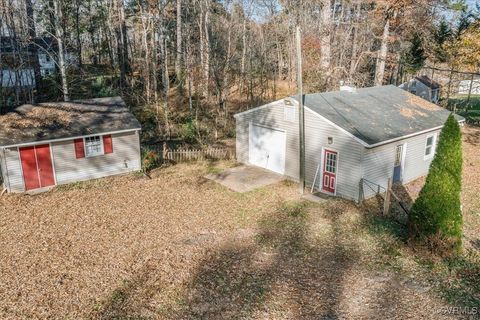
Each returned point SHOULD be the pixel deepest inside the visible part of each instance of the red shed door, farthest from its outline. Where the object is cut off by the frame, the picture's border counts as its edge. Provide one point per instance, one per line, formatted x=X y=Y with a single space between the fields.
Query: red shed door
x=37 y=166
x=330 y=161
x=44 y=162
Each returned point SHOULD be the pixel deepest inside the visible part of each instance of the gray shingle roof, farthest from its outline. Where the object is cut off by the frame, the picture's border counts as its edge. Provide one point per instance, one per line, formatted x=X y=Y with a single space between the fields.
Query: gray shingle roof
x=377 y=114
x=58 y=120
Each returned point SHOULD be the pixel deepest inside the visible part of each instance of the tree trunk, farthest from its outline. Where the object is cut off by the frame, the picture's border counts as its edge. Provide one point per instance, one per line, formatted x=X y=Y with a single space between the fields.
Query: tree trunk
x=244 y=54
x=354 y=43
x=382 y=55
x=326 y=21
x=78 y=34
x=179 y=53
x=206 y=68
x=32 y=35
x=122 y=43
x=61 y=55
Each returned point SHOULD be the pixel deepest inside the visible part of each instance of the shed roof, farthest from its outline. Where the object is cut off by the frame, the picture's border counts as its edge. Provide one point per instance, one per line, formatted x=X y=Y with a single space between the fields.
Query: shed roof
x=377 y=115
x=59 y=120
x=432 y=84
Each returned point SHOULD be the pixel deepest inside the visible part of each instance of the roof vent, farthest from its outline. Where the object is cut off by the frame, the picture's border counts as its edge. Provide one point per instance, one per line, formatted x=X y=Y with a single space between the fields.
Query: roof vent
x=347 y=87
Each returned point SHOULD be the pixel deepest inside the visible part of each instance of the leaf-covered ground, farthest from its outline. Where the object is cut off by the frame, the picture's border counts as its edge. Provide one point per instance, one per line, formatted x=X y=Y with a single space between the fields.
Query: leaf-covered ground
x=182 y=247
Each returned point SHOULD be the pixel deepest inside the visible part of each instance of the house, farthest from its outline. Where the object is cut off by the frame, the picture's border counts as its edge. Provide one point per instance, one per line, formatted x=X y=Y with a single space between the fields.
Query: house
x=465 y=86
x=18 y=60
x=423 y=87
x=49 y=144
x=351 y=137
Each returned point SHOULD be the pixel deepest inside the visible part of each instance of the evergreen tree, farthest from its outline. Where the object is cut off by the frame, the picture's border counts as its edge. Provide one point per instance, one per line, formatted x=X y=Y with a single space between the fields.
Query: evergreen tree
x=436 y=217
x=414 y=57
x=441 y=34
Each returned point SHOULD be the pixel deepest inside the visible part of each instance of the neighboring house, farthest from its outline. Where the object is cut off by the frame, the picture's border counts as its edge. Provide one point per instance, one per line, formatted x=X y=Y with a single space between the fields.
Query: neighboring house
x=466 y=85
x=372 y=133
x=50 y=144
x=17 y=78
x=47 y=64
x=423 y=87
x=18 y=60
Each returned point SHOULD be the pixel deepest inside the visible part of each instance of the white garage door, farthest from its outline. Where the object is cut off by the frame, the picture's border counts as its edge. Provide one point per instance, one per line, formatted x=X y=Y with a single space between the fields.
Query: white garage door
x=267 y=148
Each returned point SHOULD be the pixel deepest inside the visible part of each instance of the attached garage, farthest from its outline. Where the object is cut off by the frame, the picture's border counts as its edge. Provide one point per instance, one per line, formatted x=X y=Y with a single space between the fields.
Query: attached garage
x=267 y=148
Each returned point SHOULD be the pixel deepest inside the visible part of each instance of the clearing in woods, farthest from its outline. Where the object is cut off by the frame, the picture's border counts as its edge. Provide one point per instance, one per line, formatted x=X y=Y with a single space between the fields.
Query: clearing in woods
x=179 y=246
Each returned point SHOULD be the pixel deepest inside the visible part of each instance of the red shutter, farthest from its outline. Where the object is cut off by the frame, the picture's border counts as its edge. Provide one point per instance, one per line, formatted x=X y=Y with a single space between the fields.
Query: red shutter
x=107 y=144
x=79 y=148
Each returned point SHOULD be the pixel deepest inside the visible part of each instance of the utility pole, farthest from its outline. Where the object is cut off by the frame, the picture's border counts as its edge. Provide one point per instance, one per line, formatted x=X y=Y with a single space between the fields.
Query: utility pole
x=301 y=120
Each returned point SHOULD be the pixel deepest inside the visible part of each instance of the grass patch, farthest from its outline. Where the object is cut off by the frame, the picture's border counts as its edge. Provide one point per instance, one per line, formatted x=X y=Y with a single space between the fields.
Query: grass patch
x=470 y=109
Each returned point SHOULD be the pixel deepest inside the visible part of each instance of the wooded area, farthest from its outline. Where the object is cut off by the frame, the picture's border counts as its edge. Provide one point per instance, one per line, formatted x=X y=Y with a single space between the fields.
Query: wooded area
x=185 y=66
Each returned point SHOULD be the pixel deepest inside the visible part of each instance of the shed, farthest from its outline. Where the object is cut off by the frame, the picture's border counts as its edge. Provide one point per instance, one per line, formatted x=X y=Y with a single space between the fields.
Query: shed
x=49 y=144
x=423 y=87
x=369 y=134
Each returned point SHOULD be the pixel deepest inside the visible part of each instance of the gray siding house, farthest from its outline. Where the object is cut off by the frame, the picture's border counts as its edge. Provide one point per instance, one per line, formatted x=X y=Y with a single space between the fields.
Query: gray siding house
x=49 y=144
x=371 y=133
x=423 y=87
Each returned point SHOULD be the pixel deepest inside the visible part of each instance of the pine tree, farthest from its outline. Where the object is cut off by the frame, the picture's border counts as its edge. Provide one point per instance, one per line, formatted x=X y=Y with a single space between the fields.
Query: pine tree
x=441 y=34
x=436 y=217
x=414 y=57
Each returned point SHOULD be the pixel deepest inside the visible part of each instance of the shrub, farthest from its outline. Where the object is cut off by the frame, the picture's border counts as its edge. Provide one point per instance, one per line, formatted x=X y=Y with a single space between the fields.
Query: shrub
x=188 y=131
x=150 y=160
x=436 y=218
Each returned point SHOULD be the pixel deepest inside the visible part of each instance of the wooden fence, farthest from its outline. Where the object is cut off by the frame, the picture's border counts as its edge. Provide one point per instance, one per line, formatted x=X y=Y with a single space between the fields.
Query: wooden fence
x=386 y=194
x=187 y=154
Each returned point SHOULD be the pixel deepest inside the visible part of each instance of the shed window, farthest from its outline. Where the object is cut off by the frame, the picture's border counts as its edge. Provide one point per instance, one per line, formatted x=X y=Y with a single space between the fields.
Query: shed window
x=430 y=146
x=93 y=146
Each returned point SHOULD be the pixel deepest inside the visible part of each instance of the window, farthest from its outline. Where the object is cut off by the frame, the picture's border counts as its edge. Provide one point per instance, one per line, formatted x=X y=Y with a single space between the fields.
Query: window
x=398 y=155
x=430 y=146
x=331 y=162
x=93 y=146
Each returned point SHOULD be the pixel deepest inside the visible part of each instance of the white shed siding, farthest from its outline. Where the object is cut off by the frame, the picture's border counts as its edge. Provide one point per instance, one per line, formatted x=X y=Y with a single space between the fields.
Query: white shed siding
x=272 y=116
x=14 y=170
x=350 y=153
x=68 y=168
x=378 y=162
x=317 y=131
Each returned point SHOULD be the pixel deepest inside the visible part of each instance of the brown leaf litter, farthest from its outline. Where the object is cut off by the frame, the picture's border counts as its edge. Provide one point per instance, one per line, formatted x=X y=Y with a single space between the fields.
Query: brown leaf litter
x=179 y=247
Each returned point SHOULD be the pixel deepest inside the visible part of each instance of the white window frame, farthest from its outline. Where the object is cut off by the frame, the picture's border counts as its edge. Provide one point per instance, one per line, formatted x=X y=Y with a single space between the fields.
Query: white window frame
x=94 y=154
x=433 y=146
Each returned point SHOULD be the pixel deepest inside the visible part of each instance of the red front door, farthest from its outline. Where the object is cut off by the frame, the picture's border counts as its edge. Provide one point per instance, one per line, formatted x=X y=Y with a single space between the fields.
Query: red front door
x=37 y=166
x=330 y=161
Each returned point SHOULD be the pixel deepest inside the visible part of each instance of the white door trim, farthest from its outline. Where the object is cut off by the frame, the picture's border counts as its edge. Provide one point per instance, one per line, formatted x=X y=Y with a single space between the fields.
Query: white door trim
x=322 y=169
